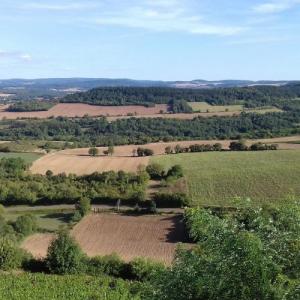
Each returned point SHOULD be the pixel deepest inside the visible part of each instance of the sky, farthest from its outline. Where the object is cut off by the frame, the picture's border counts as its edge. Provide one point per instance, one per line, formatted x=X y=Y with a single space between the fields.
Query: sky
x=150 y=39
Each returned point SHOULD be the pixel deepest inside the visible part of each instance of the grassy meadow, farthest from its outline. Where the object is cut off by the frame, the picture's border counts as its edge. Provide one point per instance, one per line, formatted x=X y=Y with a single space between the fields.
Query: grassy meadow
x=28 y=157
x=205 y=107
x=215 y=178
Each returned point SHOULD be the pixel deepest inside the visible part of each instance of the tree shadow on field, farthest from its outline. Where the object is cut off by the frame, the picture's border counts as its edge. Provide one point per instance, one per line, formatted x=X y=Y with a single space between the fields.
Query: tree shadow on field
x=177 y=231
x=63 y=217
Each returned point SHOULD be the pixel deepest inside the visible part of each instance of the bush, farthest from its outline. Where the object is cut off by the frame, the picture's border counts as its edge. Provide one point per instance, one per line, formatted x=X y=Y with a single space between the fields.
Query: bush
x=155 y=171
x=83 y=206
x=176 y=172
x=143 y=269
x=10 y=255
x=174 y=200
x=109 y=264
x=64 y=255
x=238 y=146
x=93 y=151
x=26 y=225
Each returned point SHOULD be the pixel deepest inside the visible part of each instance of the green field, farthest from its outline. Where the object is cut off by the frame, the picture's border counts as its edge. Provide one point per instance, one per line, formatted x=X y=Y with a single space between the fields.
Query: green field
x=49 y=218
x=205 y=107
x=28 y=157
x=215 y=178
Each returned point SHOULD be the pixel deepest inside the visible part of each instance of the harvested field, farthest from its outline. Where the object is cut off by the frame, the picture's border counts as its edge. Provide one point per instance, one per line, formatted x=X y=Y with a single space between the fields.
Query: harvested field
x=73 y=110
x=84 y=164
x=77 y=161
x=79 y=110
x=154 y=237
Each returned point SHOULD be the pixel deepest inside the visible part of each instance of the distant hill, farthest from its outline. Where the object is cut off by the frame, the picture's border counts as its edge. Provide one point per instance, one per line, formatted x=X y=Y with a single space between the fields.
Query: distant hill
x=25 y=89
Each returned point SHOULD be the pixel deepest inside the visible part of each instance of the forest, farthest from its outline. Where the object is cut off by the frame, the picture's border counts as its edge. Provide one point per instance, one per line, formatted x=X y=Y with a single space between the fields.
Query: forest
x=23 y=106
x=253 y=96
x=99 y=132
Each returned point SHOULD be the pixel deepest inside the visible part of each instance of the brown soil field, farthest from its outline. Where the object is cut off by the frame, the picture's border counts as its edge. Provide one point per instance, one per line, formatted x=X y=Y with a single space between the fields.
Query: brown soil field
x=154 y=237
x=73 y=110
x=84 y=164
x=37 y=244
x=77 y=161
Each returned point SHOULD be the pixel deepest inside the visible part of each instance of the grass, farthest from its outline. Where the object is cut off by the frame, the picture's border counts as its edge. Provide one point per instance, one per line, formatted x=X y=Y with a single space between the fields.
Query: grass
x=205 y=107
x=215 y=178
x=28 y=157
x=49 y=219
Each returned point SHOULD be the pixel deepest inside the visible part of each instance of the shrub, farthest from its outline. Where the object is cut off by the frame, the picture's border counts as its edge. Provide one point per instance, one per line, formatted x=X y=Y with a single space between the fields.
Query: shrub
x=93 y=151
x=176 y=172
x=26 y=224
x=238 y=146
x=155 y=171
x=64 y=255
x=143 y=269
x=10 y=254
x=84 y=206
x=171 y=199
x=109 y=264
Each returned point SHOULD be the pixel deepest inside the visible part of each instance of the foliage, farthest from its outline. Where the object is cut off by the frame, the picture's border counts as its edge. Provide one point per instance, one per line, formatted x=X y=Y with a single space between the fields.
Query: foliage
x=93 y=151
x=144 y=269
x=155 y=171
x=18 y=187
x=64 y=255
x=67 y=287
x=176 y=171
x=26 y=224
x=24 y=106
x=10 y=255
x=171 y=199
x=88 y=131
x=144 y=152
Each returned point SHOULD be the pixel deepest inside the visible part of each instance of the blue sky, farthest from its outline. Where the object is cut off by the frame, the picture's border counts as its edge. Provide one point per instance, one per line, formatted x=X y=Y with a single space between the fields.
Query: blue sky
x=150 y=39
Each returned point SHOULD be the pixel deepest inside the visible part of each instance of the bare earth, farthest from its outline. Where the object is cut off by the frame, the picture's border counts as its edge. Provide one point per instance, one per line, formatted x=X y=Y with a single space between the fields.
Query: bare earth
x=73 y=110
x=77 y=161
x=154 y=237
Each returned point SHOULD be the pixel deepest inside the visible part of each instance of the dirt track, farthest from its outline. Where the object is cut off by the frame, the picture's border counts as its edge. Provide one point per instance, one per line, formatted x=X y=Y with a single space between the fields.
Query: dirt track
x=154 y=237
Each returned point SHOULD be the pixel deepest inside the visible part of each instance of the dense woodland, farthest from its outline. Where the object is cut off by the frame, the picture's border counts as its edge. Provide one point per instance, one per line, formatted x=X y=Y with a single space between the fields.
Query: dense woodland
x=249 y=96
x=88 y=131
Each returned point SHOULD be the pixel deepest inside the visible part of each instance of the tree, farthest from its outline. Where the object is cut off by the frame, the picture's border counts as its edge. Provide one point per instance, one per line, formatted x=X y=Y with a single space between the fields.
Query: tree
x=64 y=255
x=176 y=171
x=238 y=146
x=49 y=173
x=110 y=150
x=93 y=151
x=26 y=224
x=178 y=149
x=155 y=171
x=134 y=152
x=83 y=206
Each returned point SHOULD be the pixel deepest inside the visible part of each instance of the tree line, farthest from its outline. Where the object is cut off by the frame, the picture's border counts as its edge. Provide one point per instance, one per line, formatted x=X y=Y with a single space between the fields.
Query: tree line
x=90 y=132
x=253 y=96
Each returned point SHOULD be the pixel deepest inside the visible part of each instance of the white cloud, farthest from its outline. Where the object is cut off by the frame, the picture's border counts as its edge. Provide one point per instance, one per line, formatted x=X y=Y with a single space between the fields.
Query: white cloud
x=13 y=55
x=275 y=6
x=160 y=17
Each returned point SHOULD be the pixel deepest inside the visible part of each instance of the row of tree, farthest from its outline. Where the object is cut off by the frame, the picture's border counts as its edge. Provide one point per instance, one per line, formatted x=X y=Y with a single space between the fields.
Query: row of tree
x=100 y=132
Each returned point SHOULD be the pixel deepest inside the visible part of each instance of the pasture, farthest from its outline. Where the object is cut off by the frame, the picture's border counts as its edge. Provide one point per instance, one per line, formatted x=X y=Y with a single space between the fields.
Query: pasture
x=155 y=237
x=215 y=178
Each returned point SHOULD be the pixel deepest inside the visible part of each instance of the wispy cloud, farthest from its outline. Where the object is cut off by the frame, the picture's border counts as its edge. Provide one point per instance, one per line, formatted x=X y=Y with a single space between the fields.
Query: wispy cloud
x=14 y=55
x=60 y=6
x=275 y=6
x=164 y=16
